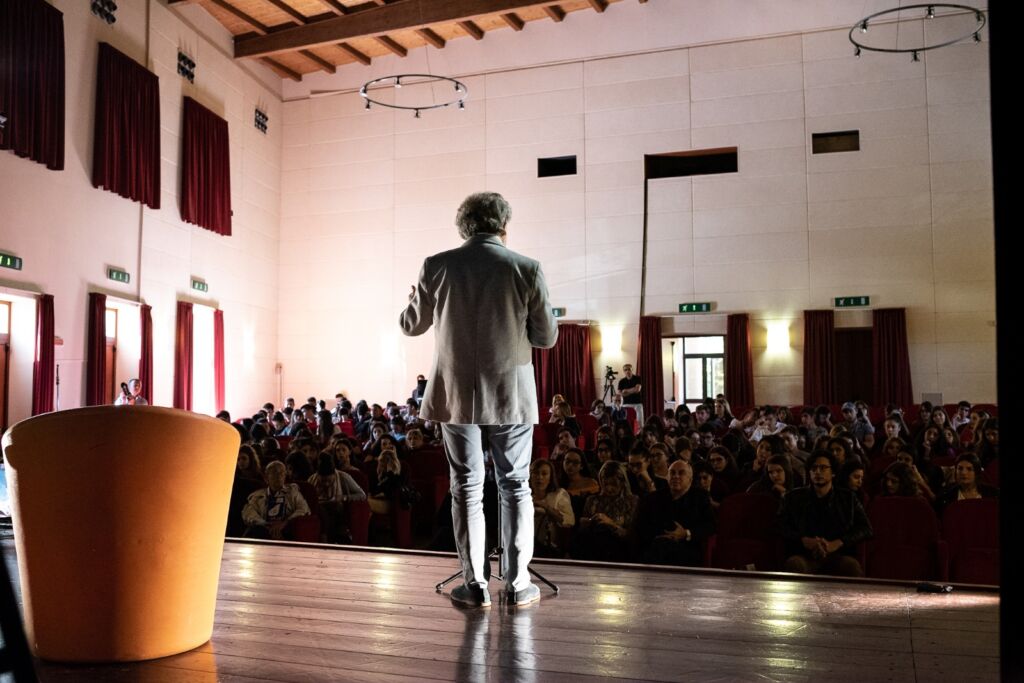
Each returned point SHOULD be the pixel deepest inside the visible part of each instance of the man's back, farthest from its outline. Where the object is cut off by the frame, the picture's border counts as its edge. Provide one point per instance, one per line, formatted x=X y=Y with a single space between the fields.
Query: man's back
x=490 y=307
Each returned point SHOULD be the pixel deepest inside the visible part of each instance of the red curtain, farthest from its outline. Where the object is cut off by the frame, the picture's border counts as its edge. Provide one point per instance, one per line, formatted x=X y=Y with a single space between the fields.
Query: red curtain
x=126 y=150
x=891 y=357
x=218 y=359
x=205 y=169
x=739 y=366
x=96 y=357
x=567 y=368
x=32 y=81
x=819 y=358
x=183 y=357
x=146 y=357
x=648 y=365
x=43 y=374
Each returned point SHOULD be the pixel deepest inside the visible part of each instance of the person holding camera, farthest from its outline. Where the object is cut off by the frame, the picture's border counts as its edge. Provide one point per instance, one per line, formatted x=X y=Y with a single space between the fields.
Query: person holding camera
x=131 y=394
x=630 y=388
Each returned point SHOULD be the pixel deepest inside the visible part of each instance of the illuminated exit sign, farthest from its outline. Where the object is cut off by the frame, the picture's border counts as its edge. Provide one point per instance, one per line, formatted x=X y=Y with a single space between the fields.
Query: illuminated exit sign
x=200 y=286
x=558 y=312
x=12 y=262
x=852 y=301
x=695 y=308
x=118 y=275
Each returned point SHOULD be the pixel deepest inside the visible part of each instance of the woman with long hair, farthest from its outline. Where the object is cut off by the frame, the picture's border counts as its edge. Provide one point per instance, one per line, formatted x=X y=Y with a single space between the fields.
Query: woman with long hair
x=608 y=518
x=552 y=510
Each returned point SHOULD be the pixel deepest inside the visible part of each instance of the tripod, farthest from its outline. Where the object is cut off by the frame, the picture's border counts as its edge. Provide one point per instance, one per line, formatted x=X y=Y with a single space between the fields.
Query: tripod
x=497 y=552
x=609 y=389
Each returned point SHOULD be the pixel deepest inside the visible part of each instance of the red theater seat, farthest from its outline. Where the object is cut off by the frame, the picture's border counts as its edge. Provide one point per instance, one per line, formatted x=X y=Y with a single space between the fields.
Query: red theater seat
x=971 y=528
x=746 y=533
x=906 y=543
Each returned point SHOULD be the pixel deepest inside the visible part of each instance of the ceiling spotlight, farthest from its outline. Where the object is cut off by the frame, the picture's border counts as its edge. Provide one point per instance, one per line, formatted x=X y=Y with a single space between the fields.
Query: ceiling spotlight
x=462 y=105
x=931 y=11
x=914 y=57
x=367 y=104
x=856 y=51
x=864 y=26
x=398 y=81
x=417 y=113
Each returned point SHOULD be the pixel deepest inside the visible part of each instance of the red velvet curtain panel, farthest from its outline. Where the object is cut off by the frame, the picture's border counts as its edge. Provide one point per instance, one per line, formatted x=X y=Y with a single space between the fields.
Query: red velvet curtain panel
x=819 y=358
x=571 y=365
x=218 y=359
x=183 y=357
x=32 y=81
x=146 y=357
x=96 y=356
x=739 y=366
x=648 y=365
x=891 y=357
x=43 y=369
x=126 y=150
x=542 y=378
x=205 y=169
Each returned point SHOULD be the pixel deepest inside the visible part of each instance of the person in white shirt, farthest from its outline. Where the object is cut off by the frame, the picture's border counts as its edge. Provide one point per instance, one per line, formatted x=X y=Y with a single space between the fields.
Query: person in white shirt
x=269 y=510
x=132 y=397
x=552 y=509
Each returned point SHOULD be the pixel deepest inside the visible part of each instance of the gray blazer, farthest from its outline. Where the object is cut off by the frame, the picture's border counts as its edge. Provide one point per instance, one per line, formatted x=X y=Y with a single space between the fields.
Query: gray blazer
x=490 y=307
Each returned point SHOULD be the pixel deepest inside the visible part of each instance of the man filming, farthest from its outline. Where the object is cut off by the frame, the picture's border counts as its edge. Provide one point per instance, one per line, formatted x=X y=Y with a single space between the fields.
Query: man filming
x=131 y=394
x=630 y=388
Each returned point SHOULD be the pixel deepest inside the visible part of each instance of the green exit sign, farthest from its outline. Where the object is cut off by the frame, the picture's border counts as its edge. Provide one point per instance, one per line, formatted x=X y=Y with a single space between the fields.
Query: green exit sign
x=12 y=262
x=851 y=301
x=200 y=286
x=695 y=308
x=118 y=275
x=558 y=312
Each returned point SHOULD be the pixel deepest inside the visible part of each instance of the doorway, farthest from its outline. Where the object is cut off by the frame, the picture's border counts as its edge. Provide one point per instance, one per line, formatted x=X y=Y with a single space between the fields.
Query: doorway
x=854 y=358
x=697 y=368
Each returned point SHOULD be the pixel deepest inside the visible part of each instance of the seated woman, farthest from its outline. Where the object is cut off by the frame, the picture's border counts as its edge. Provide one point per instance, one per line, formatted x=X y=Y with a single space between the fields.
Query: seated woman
x=900 y=480
x=248 y=478
x=562 y=414
x=578 y=486
x=600 y=413
x=333 y=489
x=929 y=478
x=371 y=449
x=727 y=475
x=723 y=412
x=968 y=484
x=851 y=477
x=704 y=476
x=268 y=510
x=608 y=518
x=988 y=449
x=388 y=482
x=552 y=510
x=777 y=479
x=754 y=471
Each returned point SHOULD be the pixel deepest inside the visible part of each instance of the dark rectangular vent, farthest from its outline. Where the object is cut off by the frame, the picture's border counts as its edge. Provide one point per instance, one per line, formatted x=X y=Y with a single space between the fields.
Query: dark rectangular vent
x=838 y=141
x=553 y=166
x=696 y=162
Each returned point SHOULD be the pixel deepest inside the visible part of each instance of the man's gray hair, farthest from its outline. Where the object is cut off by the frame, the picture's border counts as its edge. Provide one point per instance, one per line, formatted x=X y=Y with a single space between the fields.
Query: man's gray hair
x=483 y=213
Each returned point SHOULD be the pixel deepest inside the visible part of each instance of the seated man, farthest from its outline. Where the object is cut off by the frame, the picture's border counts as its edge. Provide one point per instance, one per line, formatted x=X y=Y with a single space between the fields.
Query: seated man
x=674 y=522
x=268 y=510
x=821 y=524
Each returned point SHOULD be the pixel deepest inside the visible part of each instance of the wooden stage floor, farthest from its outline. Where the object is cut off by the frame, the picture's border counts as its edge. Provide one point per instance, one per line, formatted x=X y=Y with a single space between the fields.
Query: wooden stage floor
x=307 y=613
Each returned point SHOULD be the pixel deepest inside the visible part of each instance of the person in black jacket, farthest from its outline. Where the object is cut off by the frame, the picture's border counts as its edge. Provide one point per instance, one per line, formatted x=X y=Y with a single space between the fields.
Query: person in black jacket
x=821 y=524
x=674 y=522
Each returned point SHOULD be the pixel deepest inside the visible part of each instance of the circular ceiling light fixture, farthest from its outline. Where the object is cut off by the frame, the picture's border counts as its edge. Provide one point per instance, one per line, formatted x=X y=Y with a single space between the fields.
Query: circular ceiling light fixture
x=927 y=12
x=394 y=83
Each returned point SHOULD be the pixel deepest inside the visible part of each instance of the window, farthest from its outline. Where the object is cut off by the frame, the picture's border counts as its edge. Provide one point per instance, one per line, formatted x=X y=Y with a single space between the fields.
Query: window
x=555 y=166
x=698 y=368
x=110 y=386
x=694 y=162
x=838 y=141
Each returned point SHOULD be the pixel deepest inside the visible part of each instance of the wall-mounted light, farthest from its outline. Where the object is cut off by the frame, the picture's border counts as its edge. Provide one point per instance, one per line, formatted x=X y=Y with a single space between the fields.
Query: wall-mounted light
x=104 y=9
x=261 y=121
x=778 y=336
x=611 y=339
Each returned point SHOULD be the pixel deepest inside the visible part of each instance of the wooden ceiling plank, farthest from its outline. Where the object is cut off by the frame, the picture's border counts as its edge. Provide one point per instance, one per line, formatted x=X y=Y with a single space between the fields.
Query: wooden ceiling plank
x=555 y=12
x=393 y=45
x=380 y=20
x=513 y=20
x=334 y=6
x=319 y=61
x=356 y=54
x=260 y=28
x=472 y=29
x=282 y=69
x=431 y=37
x=599 y=5
x=290 y=11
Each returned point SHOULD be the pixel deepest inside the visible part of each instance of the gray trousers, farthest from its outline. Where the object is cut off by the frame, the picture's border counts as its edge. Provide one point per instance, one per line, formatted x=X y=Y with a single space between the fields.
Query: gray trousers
x=510 y=447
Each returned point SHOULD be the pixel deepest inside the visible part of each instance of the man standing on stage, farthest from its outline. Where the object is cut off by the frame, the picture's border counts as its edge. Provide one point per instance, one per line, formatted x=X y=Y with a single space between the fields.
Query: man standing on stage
x=490 y=308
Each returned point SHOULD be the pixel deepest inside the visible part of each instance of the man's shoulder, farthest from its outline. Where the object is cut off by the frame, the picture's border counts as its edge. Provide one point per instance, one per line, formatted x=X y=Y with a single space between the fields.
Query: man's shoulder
x=474 y=250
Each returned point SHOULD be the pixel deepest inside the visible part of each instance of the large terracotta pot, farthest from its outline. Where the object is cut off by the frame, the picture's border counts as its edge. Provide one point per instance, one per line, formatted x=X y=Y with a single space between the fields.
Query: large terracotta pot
x=119 y=515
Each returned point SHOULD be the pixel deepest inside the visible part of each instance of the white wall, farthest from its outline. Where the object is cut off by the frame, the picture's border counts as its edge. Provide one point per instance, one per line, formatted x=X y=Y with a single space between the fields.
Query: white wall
x=906 y=220
x=68 y=232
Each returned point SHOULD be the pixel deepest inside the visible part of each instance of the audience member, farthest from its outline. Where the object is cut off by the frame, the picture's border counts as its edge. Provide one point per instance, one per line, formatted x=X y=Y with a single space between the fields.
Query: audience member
x=674 y=522
x=268 y=510
x=552 y=510
x=608 y=518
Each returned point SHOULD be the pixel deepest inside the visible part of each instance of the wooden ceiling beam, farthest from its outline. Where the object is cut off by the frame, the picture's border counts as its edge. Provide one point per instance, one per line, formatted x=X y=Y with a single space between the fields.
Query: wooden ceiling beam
x=392 y=45
x=555 y=12
x=472 y=29
x=334 y=6
x=281 y=69
x=298 y=16
x=359 y=56
x=431 y=37
x=319 y=61
x=383 y=19
x=513 y=20
x=261 y=29
x=599 y=5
